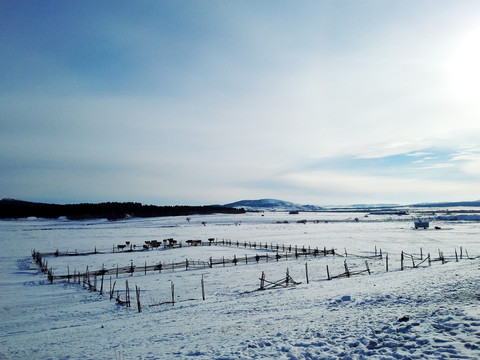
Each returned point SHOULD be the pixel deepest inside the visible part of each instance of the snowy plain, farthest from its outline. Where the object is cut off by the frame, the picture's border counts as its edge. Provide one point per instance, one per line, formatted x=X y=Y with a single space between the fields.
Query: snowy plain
x=346 y=318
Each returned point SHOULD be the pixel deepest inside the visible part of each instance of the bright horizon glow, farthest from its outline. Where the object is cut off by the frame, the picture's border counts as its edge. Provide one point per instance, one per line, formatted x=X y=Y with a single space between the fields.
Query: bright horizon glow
x=213 y=102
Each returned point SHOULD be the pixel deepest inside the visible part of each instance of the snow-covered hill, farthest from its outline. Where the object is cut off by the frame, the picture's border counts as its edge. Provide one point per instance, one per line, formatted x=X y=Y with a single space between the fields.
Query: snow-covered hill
x=272 y=205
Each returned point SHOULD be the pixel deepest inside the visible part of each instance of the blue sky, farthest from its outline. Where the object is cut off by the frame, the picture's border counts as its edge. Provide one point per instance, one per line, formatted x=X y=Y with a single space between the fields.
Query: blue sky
x=199 y=102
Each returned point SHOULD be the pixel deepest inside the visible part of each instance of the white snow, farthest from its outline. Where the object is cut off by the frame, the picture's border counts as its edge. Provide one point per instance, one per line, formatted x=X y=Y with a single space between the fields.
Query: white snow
x=345 y=318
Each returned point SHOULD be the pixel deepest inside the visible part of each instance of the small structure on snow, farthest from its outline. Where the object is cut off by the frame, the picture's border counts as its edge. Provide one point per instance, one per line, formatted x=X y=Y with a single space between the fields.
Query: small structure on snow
x=421 y=224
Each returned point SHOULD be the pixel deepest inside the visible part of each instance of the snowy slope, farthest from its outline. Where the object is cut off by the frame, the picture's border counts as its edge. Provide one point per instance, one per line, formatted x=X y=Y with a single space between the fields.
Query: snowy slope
x=272 y=205
x=346 y=318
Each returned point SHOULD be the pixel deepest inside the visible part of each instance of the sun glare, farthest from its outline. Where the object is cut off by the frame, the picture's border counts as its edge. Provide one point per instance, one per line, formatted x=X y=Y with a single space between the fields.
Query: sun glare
x=464 y=69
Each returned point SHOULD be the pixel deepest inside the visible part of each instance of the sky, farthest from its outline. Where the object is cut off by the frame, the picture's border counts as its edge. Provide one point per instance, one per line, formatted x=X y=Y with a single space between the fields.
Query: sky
x=211 y=102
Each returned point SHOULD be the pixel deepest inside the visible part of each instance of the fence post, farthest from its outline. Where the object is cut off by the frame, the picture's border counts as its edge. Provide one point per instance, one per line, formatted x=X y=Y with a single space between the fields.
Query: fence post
x=328 y=274
x=346 y=268
x=368 y=269
x=101 y=285
x=127 y=294
x=262 y=281
x=203 y=289
x=429 y=261
x=306 y=272
x=456 y=255
x=173 y=292
x=137 y=289
x=401 y=261
x=386 y=260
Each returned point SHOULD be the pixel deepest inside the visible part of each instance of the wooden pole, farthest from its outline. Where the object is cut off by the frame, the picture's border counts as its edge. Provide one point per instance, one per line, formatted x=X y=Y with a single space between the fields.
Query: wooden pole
x=456 y=255
x=113 y=290
x=127 y=294
x=101 y=286
x=421 y=254
x=262 y=281
x=306 y=272
x=328 y=274
x=429 y=261
x=173 y=292
x=368 y=269
x=346 y=268
x=139 y=306
x=401 y=261
x=386 y=261
x=203 y=289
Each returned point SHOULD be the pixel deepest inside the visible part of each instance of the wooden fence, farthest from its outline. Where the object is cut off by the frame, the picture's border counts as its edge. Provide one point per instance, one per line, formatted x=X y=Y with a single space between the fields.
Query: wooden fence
x=95 y=280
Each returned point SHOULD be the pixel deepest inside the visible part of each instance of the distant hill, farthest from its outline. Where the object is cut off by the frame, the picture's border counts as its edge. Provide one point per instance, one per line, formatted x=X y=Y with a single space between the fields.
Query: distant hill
x=14 y=209
x=449 y=204
x=272 y=205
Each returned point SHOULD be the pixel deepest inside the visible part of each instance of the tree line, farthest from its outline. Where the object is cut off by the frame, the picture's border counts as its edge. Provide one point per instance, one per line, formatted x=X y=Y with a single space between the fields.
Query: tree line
x=14 y=209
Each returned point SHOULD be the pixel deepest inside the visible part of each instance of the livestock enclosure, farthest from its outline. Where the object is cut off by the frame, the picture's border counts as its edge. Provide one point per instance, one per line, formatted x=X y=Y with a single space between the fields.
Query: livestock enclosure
x=242 y=286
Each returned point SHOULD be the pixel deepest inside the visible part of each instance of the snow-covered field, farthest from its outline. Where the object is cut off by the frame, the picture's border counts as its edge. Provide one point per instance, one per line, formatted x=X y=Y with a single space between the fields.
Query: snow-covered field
x=345 y=318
